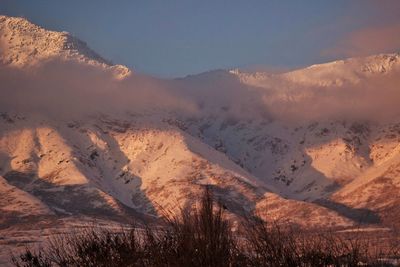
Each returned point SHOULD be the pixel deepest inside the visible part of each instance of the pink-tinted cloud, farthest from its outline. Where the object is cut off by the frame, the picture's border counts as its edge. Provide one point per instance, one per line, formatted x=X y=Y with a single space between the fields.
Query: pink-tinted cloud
x=368 y=41
x=377 y=30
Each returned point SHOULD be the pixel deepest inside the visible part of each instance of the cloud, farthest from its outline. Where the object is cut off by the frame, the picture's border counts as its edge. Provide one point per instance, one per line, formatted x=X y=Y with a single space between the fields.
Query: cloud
x=378 y=30
x=69 y=88
x=374 y=98
x=367 y=41
x=58 y=88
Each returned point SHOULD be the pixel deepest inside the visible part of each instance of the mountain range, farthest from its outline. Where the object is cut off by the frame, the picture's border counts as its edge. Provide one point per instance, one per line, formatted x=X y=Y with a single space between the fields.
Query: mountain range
x=82 y=139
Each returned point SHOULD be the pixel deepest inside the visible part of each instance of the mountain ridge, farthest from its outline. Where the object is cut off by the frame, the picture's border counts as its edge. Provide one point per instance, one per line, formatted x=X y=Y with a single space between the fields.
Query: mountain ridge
x=25 y=44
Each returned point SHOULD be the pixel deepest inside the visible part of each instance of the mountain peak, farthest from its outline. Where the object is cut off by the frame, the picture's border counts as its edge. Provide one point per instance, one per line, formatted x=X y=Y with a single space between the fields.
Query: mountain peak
x=23 y=43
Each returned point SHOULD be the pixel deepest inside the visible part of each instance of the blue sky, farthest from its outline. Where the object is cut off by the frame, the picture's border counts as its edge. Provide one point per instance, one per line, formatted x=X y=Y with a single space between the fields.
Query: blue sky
x=171 y=38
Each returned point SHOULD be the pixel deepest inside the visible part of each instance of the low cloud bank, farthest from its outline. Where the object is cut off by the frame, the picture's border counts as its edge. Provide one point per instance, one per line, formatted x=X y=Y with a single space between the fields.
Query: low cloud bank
x=67 y=88
x=376 y=98
x=70 y=88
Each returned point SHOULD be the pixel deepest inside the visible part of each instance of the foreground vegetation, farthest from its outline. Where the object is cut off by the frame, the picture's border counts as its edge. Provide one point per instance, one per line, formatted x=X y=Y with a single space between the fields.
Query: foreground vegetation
x=203 y=237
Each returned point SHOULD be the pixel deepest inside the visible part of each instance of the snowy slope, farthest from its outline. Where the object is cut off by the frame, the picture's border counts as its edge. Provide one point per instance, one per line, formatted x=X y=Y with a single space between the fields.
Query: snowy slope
x=16 y=201
x=113 y=167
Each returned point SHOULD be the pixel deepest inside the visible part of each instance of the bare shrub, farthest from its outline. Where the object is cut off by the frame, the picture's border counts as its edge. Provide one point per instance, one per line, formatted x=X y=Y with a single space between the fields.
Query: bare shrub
x=202 y=237
x=274 y=245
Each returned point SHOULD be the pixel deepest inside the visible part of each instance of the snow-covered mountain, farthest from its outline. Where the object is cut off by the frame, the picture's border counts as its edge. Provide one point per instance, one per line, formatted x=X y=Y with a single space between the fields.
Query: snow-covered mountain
x=25 y=44
x=308 y=146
